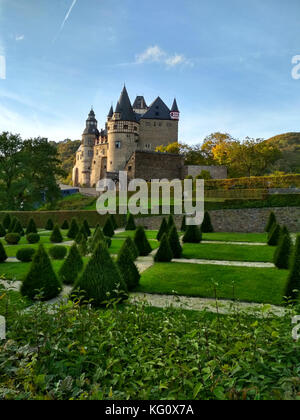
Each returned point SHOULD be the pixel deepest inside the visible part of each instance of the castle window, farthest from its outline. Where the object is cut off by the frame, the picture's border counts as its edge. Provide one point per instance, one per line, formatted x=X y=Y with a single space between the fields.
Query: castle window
x=115 y=126
x=148 y=146
x=135 y=128
x=118 y=144
x=125 y=127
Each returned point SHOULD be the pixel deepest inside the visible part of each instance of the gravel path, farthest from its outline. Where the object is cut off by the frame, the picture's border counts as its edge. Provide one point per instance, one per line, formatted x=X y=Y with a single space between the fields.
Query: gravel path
x=226 y=263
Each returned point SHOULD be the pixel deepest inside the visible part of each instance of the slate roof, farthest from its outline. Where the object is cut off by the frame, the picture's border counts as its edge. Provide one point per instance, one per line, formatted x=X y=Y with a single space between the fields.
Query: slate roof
x=139 y=103
x=175 y=106
x=124 y=107
x=158 y=110
x=111 y=112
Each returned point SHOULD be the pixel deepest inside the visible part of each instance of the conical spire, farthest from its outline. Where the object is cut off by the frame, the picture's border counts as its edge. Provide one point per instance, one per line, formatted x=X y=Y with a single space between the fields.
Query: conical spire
x=175 y=106
x=111 y=112
x=124 y=107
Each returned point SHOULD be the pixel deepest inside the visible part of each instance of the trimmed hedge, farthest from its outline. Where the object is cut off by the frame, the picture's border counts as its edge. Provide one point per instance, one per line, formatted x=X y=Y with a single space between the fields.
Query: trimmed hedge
x=58 y=252
x=74 y=229
x=31 y=227
x=283 y=252
x=56 y=236
x=33 y=238
x=6 y=221
x=183 y=224
x=284 y=181
x=128 y=269
x=271 y=222
x=130 y=225
x=141 y=242
x=49 y=225
x=3 y=256
x=175 y=243
x=25 y=254
x=108 y=229
x=2 y=231
x=163 y=229
x=65 y=225
x=71 y=267
x=12 y=238
x=171 y=222
x=193 y=235
x=87 y=228
x=41 y=280
x=18 y=228
x=132 y=247
x=207 y=226
x=164 y=253
x=274 y=235
x=292 y=290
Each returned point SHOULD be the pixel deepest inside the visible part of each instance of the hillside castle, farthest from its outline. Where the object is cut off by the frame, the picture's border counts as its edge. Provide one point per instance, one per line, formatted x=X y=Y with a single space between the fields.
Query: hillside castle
x=128 y=143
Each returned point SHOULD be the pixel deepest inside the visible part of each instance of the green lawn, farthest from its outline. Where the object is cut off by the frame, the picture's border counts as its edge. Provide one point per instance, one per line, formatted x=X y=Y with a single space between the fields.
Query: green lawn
x=261 y=285
x=235 y=237
x=118 y=241
x=151 y=234
x=226 y=252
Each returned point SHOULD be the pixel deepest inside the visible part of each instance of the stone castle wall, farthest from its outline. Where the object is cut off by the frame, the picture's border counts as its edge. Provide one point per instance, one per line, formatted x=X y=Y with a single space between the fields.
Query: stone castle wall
x=156 y=133
x=216 y=172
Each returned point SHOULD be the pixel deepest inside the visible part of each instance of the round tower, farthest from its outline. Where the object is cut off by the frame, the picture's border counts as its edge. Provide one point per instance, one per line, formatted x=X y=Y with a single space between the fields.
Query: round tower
x=123 y=134
x=89 y=137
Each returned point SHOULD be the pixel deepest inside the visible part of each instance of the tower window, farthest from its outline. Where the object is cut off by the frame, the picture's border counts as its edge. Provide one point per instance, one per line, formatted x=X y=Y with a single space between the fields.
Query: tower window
x=118 y=144
x=125 y=127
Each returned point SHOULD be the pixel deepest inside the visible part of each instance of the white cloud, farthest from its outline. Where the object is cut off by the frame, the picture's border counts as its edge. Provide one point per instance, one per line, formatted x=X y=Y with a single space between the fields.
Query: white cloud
x=155 y=54
x=20 y=37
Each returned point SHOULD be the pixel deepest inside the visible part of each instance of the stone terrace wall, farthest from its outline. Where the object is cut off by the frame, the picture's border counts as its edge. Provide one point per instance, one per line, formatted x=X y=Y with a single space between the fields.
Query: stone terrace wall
x=244 y=220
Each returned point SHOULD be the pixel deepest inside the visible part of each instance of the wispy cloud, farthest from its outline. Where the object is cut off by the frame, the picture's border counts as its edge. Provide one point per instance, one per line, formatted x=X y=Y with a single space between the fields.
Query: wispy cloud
x=65 y=19
x=155 y=54
x=20 y=37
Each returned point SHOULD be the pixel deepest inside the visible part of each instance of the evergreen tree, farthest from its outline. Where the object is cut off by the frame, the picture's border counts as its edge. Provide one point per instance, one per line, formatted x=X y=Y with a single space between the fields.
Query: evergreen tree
x=274 y=236
x=41 y=279
x=163 y=229
x=207 y=226
x=3 y=256
x=128 y=268
x=12 y=225
x=2 y=231
x=175 y=243
x=49 y=225
x=183 y=224
x=56 y=236
x=6 y=221
x=83 y=247
x=114 y=222
x=71 y=267
x=193 y=235
x=164 y=253
x=81 y=234
x=283 y=252
x=271 y=222
x=171 y=222
x=100 y=279
x=31 y=227
x=94 y=241
x=292 y=290
x=74 y=229
x=130 y=225
x=132 y=247
x=108 y=229
x=18 y=228
x=141 y=242
x=65 y=225
x=87 y=228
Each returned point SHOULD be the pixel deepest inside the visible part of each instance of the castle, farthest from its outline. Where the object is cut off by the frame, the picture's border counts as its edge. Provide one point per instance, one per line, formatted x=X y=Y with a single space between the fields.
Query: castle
x=128 y=143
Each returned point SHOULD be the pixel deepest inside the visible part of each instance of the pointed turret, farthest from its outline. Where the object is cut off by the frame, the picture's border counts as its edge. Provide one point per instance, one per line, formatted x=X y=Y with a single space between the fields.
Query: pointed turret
x=111 y=113
x=91 y=124
x=174 y=106
x=175 y=114
x=124 y=108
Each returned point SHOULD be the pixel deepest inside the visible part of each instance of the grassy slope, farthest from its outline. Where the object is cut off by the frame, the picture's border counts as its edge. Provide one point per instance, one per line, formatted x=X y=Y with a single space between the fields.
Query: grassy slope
x=289 y=144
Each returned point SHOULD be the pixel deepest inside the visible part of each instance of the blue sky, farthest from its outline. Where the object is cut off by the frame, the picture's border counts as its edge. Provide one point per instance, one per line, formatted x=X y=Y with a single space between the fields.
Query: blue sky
x=227 y=62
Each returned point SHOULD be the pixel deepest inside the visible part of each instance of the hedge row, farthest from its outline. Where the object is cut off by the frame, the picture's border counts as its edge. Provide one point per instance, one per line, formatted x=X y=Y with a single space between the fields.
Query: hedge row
x=58 y=217
x=264 y=182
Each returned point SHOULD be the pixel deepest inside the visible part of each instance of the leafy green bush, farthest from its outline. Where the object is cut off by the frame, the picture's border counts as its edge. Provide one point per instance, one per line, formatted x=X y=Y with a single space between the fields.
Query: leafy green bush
x=58 y=252
x=25 y=254
x=41 y=281
x=49 y=224
x=193 y=235
x=141 y=242
x=74 y=229
x=127 y=267
x=274 y=235
x=33 y=238
x=56 y=236
x=31 y=227
x=108 y=229
x=207 y=226
x=283 y=252
x=292 y=290
x=271 y=222
x=65 y=225
x=2 y=231
x=163 y=229
x=175 y=243
x=6 y=221
x=12 y=238
x=100 y=279
x=164 y=253
x=130 y=225
x=71 y=267
x=133 y=249
x=3 y=256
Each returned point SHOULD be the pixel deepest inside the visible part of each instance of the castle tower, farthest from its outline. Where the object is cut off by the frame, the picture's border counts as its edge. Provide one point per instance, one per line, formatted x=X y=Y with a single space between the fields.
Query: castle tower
x=123 y=134
x=86 y=151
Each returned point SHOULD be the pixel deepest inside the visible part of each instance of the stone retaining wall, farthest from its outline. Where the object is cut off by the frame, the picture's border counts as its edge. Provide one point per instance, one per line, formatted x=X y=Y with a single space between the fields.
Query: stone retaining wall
x=244 y=220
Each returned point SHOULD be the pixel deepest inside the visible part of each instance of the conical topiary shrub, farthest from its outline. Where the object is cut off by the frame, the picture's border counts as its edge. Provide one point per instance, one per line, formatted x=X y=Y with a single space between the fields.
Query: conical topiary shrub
x=163 y=229
x=49 y=224
x=65 y=225
x=6 y=221
x=130 y=225
x=283 y=252
x=292 y=290
x=96 y=238
x=132 y=247
x=108 y=229
x=164 y=253
x=2 y=231
x=171 y=222
x=271 y=222
x=87 y=228
x=207 y=226
x=12 y=225
x=175 y=243
x=71 y=267
x=114 y=222
x=18 y=228
x=183 y=224
x=81 y=234
x=83 y=247
x=127 y=267
x=56 y=236
x=141 y=242
x=274 y=236
x=101 y=279
x=3 y=256
x=41 y=280
x=31 y=227
x=193 y=235
x=74 y=229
